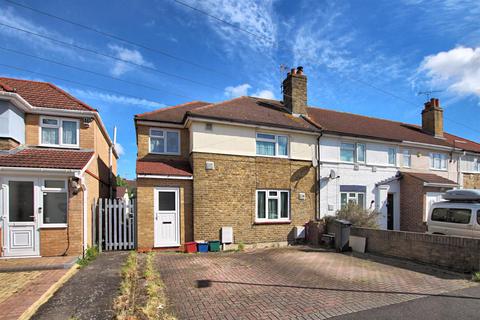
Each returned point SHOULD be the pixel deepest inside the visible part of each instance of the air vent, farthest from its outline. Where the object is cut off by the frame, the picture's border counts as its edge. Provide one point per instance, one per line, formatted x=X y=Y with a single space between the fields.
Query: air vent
x=208 y=126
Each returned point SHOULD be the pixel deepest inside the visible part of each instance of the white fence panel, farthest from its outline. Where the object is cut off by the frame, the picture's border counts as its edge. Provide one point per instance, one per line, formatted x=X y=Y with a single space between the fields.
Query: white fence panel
x=115 y=224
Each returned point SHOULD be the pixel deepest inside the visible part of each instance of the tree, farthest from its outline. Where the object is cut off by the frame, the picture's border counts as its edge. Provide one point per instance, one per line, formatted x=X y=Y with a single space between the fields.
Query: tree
x=121 y=182
x=358 y=216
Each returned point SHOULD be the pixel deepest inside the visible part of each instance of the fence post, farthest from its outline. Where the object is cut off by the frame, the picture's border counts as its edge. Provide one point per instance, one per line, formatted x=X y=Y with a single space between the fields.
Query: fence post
x=94 y=222
x=100 y=217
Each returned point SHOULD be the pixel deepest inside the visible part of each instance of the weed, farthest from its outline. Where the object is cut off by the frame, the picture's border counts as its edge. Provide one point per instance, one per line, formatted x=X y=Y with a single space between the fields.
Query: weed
x=124 y=304
x=476 y=276
x=241 y=246
x=90 y=254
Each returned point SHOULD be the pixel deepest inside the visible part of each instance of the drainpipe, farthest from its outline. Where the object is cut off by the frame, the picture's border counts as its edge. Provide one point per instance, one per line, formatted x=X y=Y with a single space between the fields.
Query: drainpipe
x=317 y=187
x=85 y=213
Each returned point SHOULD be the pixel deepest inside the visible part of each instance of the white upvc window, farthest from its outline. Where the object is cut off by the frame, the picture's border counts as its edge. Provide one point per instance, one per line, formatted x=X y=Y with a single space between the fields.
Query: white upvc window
x=407 y=158
x=59 y=132
x=164 y=141
x=392 y=156
x=272 y=206
x=272 y=145
x=470 y=164
x=352 y=197
x=353 y=152
x=55 y=204
x=438 y=161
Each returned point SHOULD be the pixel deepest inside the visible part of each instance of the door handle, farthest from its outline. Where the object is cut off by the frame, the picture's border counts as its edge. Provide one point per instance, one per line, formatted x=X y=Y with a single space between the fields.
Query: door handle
x=167 y=222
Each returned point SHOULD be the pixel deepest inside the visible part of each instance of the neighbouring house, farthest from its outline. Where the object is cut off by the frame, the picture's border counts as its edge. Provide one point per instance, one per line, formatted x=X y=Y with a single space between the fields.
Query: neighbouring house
x=264 y=167
x=56 y=158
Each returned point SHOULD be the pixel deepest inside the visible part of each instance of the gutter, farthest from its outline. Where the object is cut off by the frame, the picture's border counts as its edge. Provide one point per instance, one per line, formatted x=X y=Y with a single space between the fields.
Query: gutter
x=440 y=185
x=74 y=172
x=151 y=176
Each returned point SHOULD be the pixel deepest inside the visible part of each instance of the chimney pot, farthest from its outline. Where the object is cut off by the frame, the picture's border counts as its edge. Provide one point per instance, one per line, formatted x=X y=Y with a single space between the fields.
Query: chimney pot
x=300 y=70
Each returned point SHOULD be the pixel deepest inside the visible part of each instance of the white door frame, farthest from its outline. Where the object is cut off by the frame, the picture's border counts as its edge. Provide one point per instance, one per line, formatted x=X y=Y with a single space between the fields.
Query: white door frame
x=5 y=217
x=157 y=212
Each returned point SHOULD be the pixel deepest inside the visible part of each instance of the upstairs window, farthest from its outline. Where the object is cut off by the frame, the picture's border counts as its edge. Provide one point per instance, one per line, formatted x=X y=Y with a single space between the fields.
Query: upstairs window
x=273 y=205
x=272 y=145
x=392 y=156
x=353 y=152
x=59 y=132
x=164 y=141
x=407 y=159
x=438 y=161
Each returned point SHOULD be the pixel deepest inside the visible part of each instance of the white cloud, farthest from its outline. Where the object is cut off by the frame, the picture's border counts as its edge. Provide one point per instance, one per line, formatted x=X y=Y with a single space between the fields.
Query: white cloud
x=265 y=94
x=237 y=91
x=9 y=17
x=126 y=54
x=242 y=90
x=119 y=149
x=115 y=99
x=457 y=69
x=256 y=17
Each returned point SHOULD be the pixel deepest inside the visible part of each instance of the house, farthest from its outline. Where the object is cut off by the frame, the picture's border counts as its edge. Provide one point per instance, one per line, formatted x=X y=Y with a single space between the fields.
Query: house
x=264 y=166
x=56 y=157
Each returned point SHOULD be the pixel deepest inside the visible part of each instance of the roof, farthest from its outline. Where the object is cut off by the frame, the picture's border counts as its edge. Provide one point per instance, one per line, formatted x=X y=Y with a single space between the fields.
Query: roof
x=430 y=178
x=120 y=191
x=258 y=111
x=165 y=167
x=173 y=114
x=43 y=94
x=251 y=110
x=46 y=158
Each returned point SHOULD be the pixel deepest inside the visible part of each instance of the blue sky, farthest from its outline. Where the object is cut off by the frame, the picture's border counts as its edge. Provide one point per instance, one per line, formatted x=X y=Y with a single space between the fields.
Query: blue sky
x=366 y=57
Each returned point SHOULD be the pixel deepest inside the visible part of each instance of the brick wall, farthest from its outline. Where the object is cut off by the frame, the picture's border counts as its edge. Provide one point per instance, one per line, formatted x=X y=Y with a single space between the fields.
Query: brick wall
x=471 y=180
x=145 y=203
x=456 y=253
x=412 y=204
x=54 y=241
x=226 y=196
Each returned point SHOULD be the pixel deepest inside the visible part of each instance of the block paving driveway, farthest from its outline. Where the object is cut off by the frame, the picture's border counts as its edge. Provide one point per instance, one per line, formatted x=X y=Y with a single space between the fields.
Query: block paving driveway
x=294 y=283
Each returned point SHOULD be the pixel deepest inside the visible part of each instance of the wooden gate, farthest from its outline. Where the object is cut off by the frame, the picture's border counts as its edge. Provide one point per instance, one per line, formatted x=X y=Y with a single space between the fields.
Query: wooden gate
x=114 y=224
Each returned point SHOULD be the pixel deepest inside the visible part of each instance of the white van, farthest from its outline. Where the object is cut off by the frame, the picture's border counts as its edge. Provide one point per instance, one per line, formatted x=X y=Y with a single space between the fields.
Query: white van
x=458 y=216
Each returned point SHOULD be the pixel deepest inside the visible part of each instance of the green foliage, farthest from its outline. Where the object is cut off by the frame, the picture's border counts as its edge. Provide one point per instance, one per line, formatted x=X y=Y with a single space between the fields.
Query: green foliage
x=121 y=182
x=241 y=246
x=476 y=276
x=358 y=216
x=90 y=255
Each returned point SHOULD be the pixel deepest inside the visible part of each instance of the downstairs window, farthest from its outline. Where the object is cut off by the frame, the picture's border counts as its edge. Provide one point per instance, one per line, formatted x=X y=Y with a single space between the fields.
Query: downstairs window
x=273 y=205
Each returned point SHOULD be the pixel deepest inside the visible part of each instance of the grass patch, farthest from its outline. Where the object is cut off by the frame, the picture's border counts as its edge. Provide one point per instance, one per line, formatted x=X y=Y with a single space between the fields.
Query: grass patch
x=90 y=255
x=156 y=303
x=142 y=294
x=476 y=276
x=124 y=304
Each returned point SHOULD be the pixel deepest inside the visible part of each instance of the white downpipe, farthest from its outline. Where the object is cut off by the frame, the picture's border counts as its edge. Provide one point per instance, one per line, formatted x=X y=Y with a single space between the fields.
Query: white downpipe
x=85 y=212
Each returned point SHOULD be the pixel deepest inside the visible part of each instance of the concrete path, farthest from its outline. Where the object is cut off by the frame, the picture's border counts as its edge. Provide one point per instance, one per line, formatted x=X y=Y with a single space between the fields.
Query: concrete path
x=294 y=284
x=89 y=294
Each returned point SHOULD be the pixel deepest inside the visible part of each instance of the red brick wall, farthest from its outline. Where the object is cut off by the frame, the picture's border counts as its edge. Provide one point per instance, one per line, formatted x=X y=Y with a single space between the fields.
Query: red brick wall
x=412 y=204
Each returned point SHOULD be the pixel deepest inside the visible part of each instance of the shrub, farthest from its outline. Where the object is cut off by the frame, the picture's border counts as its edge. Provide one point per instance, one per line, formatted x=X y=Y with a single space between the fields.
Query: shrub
x=358 y=216
x=90 y=254
x=476 y=276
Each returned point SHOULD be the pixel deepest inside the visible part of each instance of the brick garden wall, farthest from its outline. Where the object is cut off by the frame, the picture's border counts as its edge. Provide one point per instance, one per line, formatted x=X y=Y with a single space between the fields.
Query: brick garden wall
x=225 y=196
x=456 y=253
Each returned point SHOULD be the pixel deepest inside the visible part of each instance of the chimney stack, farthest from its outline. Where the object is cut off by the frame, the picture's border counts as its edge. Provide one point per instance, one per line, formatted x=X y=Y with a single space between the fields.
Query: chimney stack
x=432 y=118
x=295 y=92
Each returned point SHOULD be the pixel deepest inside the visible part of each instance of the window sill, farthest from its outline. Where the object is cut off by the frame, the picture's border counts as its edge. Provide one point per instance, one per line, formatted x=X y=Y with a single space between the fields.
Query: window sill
x=59 y=146
x=274 y=157
x=441 y=170
x=272 y=222
x=165 y=153
x=53 y=226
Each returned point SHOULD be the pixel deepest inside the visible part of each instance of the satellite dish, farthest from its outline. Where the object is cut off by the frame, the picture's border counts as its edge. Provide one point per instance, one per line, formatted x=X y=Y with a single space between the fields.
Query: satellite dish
x=332 y=174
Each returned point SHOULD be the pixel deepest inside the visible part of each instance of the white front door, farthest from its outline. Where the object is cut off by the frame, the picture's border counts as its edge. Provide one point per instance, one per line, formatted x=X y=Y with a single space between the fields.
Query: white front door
x=20 y=207
x=166 y=214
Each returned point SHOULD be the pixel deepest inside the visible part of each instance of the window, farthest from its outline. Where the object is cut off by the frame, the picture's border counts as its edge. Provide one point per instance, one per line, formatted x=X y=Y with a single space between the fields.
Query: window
x=470 y=164
x=392 y=156
x=407 y=158
x=353 y=152
x=361 y=152
x=438 y=161
x=478 y=217
x=55 y=203
x=451 y=215
x=164 y=141
x=59 y=132
x=352 y=197
x=272 y=145
x=273 y=205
